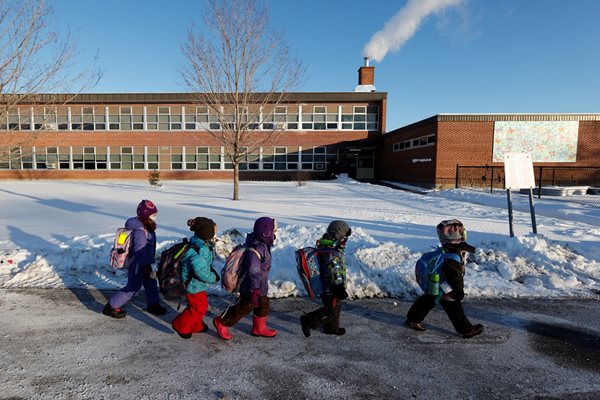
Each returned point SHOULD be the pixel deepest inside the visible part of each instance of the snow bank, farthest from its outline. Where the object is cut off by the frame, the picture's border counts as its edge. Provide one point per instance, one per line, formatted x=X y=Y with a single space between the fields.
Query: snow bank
x=526 y=266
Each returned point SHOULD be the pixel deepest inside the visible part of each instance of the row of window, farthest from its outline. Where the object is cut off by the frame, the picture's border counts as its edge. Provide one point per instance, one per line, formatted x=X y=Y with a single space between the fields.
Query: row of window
x=276 y=158
x=191 y=118
x=422 y=141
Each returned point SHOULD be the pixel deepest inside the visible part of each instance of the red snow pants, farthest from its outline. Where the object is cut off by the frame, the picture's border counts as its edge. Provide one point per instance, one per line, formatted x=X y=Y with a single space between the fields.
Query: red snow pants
x=190 y=319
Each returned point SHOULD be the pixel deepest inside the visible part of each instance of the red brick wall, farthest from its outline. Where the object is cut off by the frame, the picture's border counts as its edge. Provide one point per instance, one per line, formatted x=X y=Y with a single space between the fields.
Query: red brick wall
x=399 y=165
x=161 y=138
x=467 y=143
x=463 y=143
x=588 y=148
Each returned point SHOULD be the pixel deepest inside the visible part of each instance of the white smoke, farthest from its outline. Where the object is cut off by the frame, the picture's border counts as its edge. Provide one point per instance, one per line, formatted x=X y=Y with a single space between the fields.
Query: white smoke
x=402 y=26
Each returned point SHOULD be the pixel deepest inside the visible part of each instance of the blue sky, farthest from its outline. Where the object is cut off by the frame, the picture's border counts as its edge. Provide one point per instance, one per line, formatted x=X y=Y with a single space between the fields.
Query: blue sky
x=483 y=56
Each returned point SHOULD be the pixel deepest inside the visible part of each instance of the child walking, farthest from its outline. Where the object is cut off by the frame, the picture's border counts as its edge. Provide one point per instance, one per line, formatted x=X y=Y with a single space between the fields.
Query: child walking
x=197 y=272
x=453 y=236
x=332 y=264
x=141 y=257
x=256 y=263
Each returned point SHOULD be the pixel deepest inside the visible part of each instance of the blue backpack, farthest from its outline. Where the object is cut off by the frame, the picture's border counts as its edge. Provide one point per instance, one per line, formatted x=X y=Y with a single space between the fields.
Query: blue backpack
x=427 y=270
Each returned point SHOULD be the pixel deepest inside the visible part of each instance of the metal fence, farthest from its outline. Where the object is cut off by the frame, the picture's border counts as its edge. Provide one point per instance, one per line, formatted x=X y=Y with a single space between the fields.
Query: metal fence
x=581 y=184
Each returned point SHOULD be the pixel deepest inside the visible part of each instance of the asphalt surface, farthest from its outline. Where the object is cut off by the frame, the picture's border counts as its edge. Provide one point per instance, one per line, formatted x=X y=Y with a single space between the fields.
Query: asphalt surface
x=55 y=344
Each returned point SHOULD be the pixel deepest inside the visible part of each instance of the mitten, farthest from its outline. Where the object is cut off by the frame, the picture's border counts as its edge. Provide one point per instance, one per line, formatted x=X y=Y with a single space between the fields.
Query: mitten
x=254 y=295
x=458 y=294
x=340 y=292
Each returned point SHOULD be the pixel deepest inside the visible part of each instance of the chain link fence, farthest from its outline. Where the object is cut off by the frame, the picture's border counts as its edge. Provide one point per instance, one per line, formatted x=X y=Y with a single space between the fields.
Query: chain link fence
x=581 y=184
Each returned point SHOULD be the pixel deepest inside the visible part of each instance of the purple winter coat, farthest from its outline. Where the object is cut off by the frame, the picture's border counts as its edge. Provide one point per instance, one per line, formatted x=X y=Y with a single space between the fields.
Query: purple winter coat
x=257 y=270
x=143 y=244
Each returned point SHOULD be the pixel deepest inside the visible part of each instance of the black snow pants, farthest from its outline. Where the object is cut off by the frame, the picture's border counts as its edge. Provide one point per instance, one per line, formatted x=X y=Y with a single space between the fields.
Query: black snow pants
x=327 y=316
x=454 y=309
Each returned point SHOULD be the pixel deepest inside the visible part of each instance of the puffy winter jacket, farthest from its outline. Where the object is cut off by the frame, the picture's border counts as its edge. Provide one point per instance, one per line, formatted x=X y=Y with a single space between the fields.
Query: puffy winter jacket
x=143 y=244
x=195 y=266
x=256 y=269
x=453 y=272
x=332 y=262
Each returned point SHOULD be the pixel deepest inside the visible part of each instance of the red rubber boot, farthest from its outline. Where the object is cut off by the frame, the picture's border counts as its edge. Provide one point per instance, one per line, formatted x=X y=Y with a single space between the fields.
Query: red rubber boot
x=259 y=327
x=222 y=330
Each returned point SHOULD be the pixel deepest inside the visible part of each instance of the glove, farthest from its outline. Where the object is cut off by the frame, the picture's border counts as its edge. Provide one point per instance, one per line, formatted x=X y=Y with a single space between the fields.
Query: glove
x=458 y=294
x=455 y=295
x=339 y=292
x=254 y=295
x=148 y=272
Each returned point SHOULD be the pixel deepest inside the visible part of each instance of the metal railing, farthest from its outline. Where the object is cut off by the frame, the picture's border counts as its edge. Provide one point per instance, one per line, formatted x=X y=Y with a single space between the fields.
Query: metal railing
x=580 y=183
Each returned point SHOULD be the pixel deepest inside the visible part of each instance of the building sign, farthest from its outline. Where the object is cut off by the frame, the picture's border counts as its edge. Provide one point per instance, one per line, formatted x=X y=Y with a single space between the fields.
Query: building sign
x=546 y=141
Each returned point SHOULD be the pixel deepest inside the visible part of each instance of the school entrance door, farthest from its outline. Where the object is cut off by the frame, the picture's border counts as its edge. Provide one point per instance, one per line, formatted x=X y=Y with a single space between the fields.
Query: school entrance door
x=360 y=163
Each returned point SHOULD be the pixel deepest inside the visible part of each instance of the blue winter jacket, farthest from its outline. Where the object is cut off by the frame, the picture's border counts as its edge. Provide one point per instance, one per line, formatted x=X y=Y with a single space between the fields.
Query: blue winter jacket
x=143 y=245
x=256 y=269
x=195 y=266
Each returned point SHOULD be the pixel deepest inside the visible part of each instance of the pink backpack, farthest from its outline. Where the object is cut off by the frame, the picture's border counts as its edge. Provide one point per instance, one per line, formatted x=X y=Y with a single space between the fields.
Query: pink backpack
x=119 y=254
x=231 y=274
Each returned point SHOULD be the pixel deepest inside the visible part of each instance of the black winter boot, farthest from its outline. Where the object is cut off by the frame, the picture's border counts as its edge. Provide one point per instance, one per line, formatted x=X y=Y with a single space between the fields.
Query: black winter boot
x=474 y=331
x=156 y=309
x=305 y=326
x=113 y=312
x=338 y=331
x=417 y=326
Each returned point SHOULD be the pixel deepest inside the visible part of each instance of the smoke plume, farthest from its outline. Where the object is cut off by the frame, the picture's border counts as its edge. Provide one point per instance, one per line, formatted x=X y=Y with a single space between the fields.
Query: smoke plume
x=402 y=26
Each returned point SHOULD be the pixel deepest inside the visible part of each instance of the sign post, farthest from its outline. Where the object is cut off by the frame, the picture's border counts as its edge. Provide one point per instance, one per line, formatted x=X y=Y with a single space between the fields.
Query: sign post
x=518 y=174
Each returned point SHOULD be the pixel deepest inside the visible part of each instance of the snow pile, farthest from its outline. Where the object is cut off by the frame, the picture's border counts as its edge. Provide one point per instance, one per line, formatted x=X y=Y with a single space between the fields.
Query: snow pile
x=42 y=243
x=522 y=267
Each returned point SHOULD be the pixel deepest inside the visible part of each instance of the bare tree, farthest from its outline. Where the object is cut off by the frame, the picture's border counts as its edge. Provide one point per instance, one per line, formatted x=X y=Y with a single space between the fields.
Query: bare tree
x=241 y=72
x=34 y=60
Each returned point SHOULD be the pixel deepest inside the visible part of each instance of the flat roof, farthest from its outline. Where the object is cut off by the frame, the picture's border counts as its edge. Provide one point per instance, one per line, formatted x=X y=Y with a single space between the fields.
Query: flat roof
x=477 y=117
x=92 y=98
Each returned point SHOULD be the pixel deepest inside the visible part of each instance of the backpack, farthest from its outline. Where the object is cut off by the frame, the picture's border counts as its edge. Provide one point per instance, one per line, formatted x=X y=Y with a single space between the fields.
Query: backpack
x=232 y=275
x=427 y=270
x=119 y=254
x=169 y=270
x=309 y=270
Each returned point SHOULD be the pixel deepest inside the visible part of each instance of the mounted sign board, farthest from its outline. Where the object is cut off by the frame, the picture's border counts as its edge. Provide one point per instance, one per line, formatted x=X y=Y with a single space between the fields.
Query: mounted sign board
x=518 y=171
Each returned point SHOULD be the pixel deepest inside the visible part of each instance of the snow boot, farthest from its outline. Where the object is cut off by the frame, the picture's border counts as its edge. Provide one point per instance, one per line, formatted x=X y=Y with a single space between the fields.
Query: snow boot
x=474 y=331
x=338 y=331
x=156 y=309
x=417 y=326
x=259 y=327
x=222 y=330
x=184 y=335
x=113 y=312
x=305 y=326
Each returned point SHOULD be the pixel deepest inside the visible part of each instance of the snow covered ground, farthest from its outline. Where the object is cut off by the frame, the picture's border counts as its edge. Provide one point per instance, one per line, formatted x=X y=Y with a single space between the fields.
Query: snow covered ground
x=58 y=233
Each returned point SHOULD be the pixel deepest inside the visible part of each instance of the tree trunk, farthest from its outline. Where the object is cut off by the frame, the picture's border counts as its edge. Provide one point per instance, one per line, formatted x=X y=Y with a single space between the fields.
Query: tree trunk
x=236 y=181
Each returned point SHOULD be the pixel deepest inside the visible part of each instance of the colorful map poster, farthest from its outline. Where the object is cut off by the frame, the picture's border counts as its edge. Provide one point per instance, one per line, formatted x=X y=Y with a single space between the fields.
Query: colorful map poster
x=546 y=141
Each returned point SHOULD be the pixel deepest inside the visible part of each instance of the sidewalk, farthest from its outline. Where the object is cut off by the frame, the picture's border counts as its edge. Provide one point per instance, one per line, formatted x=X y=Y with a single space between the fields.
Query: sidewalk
x=56 y=344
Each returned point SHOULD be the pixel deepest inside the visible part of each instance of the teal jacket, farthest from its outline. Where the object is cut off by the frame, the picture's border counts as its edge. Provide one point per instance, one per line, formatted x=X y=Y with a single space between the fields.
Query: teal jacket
x=195 y=266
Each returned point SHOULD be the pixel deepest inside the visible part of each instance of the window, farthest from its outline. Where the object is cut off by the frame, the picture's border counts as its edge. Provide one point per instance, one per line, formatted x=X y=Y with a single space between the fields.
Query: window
x=360 y=118
x=126 y=119
x=124 y=158
x=422 y=141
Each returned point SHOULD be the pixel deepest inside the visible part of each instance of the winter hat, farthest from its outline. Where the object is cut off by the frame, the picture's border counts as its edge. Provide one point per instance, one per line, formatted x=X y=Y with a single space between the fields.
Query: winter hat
x=202 y=227
x=264 y=228
x=145 y=209
x=338 y=230
x=451 y=231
